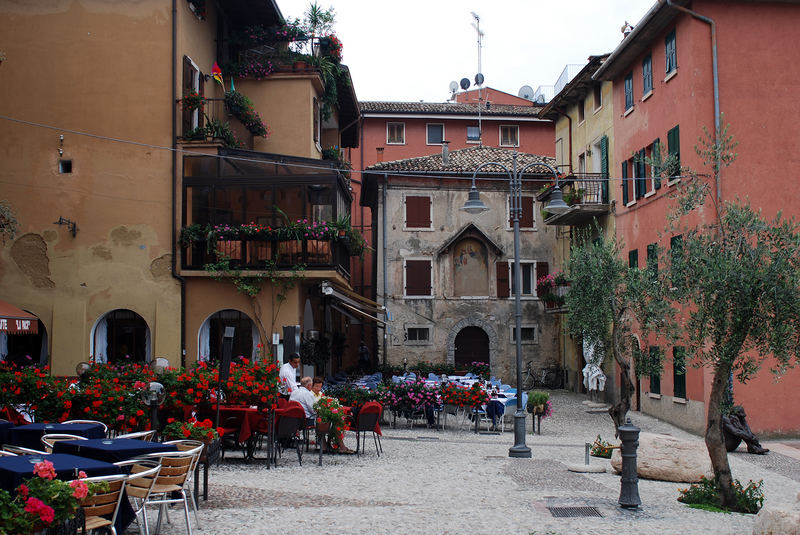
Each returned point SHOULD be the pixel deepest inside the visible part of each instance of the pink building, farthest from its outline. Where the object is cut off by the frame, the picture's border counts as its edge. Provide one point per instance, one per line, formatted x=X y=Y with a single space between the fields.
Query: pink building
x=664 y=94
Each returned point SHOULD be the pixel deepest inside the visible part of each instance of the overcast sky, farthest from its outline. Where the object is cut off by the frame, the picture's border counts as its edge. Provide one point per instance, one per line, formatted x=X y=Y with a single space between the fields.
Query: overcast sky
x=411 y=50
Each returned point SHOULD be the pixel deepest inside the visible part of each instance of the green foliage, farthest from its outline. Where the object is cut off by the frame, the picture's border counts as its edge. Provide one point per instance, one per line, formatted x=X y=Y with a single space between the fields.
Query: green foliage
x=601 y=448
x=241 y=107
x=222 y=130
x=537 y=397
x=9 y=225
x=351 y=395
x=706 y=493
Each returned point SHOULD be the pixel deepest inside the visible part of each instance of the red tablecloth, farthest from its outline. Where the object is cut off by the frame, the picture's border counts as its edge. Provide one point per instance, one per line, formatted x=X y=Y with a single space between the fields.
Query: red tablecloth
x=250 y=418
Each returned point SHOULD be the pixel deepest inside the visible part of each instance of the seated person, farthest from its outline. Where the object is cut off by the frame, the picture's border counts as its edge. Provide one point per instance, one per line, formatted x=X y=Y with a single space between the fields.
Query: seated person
x=316 y=388
x=305 y=397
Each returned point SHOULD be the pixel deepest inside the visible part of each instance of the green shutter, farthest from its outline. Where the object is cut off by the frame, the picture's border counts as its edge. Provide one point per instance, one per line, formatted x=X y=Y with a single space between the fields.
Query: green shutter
x=624 y=182
x=604 y=168
x=656 y=155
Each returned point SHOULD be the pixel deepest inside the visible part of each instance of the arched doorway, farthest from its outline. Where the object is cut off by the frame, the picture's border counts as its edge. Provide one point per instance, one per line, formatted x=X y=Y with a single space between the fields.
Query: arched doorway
x=471 y=345
x=121 y=335
x=25 y=349
x=245 y=336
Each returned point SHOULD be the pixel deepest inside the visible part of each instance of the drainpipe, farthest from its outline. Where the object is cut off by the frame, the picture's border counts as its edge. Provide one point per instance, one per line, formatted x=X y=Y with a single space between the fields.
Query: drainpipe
x=175 y=182
x=713 y=26
x=385 y=267
x=569 y=121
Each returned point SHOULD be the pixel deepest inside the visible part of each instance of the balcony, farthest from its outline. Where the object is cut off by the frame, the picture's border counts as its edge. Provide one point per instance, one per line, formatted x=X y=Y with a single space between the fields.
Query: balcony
x=587 y=197
x=212 y=122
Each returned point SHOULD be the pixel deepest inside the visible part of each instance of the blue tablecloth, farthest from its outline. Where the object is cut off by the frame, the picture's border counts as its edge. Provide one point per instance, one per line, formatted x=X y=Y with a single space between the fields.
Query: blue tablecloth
x=112 y=451
x=14 y=469
x=5 y=427
x=30 y=435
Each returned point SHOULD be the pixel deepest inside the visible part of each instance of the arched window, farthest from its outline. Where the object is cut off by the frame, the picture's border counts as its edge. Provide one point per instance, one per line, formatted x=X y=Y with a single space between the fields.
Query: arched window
x=121 y=335
x=245 y=336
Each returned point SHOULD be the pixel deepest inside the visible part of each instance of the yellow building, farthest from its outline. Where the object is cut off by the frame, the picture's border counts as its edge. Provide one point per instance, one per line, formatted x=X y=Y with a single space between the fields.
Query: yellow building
x=582 y=111
x=103 y=164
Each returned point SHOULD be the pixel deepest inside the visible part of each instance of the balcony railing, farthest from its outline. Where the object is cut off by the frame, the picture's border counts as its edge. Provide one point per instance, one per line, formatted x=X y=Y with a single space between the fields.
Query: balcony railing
x=251 y=253
x=213 y=123
x=587 y=196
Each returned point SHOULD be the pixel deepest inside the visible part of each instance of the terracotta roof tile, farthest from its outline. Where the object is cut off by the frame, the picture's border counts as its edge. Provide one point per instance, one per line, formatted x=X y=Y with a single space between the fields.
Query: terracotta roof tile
x=453 y=108
x=464 y=161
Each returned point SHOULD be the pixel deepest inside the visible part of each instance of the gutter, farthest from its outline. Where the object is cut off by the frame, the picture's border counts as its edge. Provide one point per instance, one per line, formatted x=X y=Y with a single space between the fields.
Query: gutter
x=175 y=181
x=385 y=266
x=713 y=26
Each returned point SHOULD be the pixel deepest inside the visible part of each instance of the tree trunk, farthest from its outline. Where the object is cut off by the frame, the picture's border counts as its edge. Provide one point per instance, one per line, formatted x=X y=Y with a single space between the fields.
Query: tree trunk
x=620 y=410
x=260 y=325
x=715 y=441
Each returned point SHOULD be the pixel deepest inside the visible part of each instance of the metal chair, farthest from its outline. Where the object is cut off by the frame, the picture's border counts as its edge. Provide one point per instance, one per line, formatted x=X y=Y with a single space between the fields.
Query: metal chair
x=98 y=422
x=368 y=418
x=7 y=454
x=175 y=468
x=104 y=503
x=143 y=475
x=291 y=421
x=19 y=450
x=50 y=439
x=140 y=435
x=189 y=445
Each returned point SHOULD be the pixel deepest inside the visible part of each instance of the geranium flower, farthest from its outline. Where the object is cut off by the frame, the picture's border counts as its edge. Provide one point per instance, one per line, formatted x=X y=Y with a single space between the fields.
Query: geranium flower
x=44 y=470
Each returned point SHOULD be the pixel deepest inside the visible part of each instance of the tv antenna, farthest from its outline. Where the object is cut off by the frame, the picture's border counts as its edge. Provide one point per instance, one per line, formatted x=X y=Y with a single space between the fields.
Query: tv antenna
x=479 y=76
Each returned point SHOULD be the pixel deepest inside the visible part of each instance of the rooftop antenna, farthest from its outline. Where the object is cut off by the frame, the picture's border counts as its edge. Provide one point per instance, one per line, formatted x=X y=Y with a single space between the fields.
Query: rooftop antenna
x=479 y=76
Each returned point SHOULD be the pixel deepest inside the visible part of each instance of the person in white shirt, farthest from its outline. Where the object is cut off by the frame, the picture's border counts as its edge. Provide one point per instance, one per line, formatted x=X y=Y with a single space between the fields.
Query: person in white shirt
x=287 y=378
x=305 y=397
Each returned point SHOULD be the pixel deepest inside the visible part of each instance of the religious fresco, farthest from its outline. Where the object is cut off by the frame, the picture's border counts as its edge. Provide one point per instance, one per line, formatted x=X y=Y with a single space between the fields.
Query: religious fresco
x=470 y=268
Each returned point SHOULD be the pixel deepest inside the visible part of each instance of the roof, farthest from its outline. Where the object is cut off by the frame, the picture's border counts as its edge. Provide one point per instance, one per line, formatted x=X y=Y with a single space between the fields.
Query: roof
x=464 y=161
x=575 y=90
x=447 y=108
x=470 y=230
x=348 y=109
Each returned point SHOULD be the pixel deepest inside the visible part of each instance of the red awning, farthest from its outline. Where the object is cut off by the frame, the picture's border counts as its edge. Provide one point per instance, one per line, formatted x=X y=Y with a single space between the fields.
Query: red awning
x=16 y=321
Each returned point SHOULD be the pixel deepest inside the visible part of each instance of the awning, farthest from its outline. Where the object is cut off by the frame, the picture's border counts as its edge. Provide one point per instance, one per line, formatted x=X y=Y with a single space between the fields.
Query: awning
x=351 y=303
x=16 y=321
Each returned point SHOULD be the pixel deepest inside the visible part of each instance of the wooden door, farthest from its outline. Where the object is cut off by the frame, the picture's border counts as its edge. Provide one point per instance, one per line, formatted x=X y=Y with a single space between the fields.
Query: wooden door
x=471 y=345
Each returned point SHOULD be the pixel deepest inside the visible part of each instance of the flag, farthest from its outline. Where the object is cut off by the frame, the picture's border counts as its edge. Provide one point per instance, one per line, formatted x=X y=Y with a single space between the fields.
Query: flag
x=216 y=73
x=232 y=88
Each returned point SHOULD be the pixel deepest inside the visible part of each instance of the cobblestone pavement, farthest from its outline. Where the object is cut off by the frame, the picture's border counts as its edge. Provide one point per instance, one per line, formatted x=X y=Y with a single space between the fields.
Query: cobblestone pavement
x=455 y=481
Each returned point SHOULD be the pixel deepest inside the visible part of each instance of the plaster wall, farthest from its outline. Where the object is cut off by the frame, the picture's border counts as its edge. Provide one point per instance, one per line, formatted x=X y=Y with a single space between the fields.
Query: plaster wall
x=79 y=66
x=447 y=313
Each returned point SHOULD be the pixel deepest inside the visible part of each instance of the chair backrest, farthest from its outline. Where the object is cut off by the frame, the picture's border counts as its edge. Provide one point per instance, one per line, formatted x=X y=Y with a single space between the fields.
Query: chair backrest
x=510 y=407
x=140 y=435
x=105 y=502
x=290 y=422
x=433 y=377
x=186 y=444
x=4 y=453
x=50 y=439
x=98 y=422
x=19 y=450
x=175 y=466
x=367 y=421
x=470 y=375
x=143 y=475
x=504 y=387
x=450 y=409
x=282 y=402
x=509 y=391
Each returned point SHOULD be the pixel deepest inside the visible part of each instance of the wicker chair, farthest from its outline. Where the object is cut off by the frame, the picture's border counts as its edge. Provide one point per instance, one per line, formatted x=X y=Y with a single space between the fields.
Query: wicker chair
x=49 y=440
x=142 y=479
x=189 y=445
x=175 y=470
x=104 y=503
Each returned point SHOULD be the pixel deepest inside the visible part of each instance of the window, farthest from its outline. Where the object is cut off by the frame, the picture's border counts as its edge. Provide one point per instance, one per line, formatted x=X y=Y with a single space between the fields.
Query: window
x=679 y=372
x=647 y=75
x=473 y=134
x=633 y=258
x=652 y=258
x=581 y=110
x=676 y=259
x=417 y=335
x=674 y=151
x=625 y=194
x=530 y=272
x=192 y=83
x=655 y=378
x=629 y=91
x=656 y=168
x=435 y=134
x=640 y=173
x=509 y=136
x=395 y=133
x=526 y=218
x=317 y=122
x=418 y=211
x=671 y=52
x=598 y=96
x=528 y=334
x=417 y=278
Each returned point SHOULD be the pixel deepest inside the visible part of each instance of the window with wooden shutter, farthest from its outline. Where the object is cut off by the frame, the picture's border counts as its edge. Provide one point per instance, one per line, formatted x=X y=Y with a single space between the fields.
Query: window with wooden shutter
x=647 y=75
x=679 y=372
x=395 y=133
x=655 y=378
x=526 y=217
x=527 y=276
x=418 y=211
x=633 y=258
x=418 y=278
x=674 y=151
x=604 y=168
x=629 y=91
x=625 y=182
x=655 y=155
x=190 y=83
x=542 y=270
x=641 y=174
x=671 y=52
x=503 y=285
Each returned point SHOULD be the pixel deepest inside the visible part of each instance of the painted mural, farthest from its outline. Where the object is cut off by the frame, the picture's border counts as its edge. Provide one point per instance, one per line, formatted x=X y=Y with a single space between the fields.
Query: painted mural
x=470 y=268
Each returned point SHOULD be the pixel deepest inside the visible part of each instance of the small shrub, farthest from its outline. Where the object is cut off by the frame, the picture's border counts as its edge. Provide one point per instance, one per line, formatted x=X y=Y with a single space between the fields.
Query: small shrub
x=749 y=499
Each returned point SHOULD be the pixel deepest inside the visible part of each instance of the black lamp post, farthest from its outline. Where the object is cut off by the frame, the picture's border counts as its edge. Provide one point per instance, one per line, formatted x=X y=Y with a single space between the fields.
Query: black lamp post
x=474 y=205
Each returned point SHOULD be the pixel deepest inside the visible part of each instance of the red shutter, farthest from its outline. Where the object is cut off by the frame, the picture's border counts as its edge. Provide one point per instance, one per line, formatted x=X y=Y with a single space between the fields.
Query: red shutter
x=418 y=212
x=418 y=277
x=527 y=213
x=503 y=287
x=542 y=269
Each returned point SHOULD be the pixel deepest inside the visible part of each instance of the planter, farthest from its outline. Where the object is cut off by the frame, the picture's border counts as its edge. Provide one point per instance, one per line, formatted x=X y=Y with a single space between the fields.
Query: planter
x=323 y=427
x=68 y=527
x=538 y=409
x=299 y=66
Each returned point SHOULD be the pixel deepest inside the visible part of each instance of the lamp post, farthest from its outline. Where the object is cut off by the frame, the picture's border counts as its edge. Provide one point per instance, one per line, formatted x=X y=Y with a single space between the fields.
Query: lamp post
x=474 y=205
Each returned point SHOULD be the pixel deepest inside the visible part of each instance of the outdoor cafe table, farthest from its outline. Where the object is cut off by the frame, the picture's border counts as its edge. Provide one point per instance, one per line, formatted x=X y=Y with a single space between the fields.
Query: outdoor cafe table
x=30 y=435
x=15 y=469
x=111 y=450
x=5 y=427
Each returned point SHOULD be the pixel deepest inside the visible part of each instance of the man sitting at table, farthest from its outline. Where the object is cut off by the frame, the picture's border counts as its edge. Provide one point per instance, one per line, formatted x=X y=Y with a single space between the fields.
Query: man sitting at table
x=305 y=397
x=287 y=379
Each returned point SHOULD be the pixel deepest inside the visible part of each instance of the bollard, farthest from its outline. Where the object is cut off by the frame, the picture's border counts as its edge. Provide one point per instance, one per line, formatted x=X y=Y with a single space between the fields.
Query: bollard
x=629 y=486
x=588 y=449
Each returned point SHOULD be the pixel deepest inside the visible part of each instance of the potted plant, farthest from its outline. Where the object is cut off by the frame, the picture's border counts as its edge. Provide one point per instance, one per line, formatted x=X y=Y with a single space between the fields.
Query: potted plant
x=193 y=429
x=193 y=101
x=537 y=401
x=330 y=418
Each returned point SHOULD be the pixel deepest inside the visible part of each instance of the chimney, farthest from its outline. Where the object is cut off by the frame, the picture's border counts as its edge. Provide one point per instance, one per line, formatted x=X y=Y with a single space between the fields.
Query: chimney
x=380 y=154
x=445 y=153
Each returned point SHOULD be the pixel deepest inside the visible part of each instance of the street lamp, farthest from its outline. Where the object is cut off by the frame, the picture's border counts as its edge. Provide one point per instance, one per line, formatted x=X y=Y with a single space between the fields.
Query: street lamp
x=474 y=205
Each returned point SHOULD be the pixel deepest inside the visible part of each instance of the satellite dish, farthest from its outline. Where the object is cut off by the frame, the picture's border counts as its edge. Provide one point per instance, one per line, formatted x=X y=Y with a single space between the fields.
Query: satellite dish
x=154 y=395
x=526 y=92
x=453 y=86
x=479 y=79
x=465 y=83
